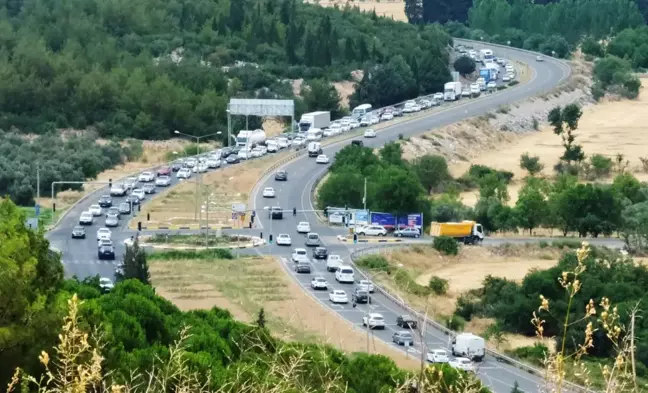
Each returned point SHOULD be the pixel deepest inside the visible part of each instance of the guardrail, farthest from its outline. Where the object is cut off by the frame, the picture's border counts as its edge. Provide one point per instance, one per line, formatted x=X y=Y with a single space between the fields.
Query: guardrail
x=497 y=355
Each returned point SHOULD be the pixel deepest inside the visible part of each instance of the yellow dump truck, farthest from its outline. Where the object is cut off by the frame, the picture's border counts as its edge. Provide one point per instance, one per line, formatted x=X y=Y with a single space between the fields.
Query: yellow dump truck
x=468 y=232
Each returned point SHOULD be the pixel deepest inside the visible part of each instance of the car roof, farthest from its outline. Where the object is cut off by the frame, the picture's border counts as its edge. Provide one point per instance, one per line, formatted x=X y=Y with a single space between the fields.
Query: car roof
x=284 y=235
x=319 y=278
x=339 y=292
x=303 y=222
x=375 y=314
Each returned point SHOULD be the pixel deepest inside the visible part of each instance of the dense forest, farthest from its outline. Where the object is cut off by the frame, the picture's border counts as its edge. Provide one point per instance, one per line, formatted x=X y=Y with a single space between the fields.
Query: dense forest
x=443 y=11
x=146 y=68
x=134 y=331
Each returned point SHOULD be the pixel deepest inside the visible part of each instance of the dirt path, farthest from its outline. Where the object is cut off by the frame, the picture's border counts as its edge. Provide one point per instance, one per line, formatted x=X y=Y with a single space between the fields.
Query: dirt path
x=390 y=8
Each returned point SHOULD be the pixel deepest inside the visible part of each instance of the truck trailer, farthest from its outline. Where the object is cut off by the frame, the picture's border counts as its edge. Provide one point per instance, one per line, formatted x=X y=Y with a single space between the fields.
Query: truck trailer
x=488 y=73
x=250 y=139
x=452 y=91
x=321 y=119
x=467 y=232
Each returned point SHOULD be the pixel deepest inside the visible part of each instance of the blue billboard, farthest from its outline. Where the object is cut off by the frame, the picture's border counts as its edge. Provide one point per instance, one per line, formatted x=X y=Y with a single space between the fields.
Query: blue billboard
x=414 y=220
x=385 y=219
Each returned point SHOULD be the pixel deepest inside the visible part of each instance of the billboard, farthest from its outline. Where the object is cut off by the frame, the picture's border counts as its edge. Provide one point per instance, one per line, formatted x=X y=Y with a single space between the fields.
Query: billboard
x=360 y=217
x=414 y=220
x=385 y=219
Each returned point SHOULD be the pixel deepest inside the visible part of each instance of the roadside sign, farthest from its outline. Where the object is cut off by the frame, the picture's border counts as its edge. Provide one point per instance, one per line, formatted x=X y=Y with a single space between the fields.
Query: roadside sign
x=238 y=207
x=37 y=208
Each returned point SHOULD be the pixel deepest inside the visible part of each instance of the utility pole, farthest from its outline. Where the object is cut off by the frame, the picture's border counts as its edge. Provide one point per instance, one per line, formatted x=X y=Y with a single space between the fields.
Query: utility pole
x=37 y=182
x=632 y=349
x=364 y=198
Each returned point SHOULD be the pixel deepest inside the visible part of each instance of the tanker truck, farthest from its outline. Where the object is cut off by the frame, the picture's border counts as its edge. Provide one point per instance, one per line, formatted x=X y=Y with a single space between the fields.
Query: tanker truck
x=467 y=232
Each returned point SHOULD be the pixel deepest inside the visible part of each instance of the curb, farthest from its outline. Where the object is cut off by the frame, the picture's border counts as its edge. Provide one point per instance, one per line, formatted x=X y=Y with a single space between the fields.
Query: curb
x=346 y=239
x=183 y=227
x=256 y=242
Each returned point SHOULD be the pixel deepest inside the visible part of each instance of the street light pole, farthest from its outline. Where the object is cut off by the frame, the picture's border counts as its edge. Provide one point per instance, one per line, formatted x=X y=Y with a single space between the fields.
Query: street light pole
x=198 y=174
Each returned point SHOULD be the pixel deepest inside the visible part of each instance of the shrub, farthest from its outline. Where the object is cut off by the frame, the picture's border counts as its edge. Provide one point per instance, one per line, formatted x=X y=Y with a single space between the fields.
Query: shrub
x=591 y=47
x=601 y=165
x=456 y=323
x=467 y=306
x=513 y=83
x=535 y=354
x=374 y=262
x=216 y=253
x=405 y=282
x=446 y=245
x=438 y=285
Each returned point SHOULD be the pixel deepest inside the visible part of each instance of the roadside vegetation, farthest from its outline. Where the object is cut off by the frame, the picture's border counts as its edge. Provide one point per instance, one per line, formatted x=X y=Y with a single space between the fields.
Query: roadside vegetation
x=114 y=341
x=203 y=240
x=130 y=72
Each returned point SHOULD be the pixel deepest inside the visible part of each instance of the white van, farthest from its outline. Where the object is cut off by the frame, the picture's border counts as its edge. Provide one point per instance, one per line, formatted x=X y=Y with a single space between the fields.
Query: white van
x=468 y=345
x=333 y=262
x=361 y=110
x=272 y=146
x=244 y=154
x=345 y=274
x=314 y=134
x=314 y=149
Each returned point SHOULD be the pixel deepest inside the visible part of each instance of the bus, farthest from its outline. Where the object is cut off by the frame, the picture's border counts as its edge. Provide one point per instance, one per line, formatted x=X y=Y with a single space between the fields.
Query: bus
x=361 y=110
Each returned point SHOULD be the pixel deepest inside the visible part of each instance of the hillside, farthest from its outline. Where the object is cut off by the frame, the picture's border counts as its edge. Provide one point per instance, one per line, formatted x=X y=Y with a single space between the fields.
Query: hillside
x=146 y=68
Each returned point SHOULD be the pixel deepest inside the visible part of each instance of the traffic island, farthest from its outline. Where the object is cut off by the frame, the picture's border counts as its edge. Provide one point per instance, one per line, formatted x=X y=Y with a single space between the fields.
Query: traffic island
x=362 y=239
x=166 y=242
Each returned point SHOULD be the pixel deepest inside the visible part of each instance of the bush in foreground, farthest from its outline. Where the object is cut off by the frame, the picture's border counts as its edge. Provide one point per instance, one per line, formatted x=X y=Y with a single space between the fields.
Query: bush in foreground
x=446 y=245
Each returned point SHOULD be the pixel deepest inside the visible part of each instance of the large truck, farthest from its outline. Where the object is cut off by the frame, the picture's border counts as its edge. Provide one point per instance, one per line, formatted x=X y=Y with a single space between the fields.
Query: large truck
x=488 y=73
x=467 y=232
x=320 y=120
x=361 y=110
x=250 y=139
x=486 y=56
x=452 y=91
x=470 y=346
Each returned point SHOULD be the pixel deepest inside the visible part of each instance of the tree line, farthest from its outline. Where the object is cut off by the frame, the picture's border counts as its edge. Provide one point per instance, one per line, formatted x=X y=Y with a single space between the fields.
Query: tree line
x=443 y=11
x=73 y=158
x=130 y=72
x=141 y=334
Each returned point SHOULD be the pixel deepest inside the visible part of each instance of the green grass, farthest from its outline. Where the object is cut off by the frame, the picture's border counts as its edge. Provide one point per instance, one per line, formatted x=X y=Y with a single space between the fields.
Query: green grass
x=196 y=240
x=46 y=214
x=175 y=255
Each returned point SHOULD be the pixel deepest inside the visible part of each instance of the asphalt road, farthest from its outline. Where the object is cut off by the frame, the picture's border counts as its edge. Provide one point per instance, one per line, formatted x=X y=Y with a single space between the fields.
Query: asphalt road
x=80 y=256
x=296 y=193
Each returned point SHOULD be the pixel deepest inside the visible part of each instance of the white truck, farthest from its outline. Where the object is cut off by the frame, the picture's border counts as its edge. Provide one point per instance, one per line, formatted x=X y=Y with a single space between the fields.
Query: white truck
x=314 y=149
x=452 y=91
x=470 y=346
x=250 y=139
x=310 y=120
x=486 y=56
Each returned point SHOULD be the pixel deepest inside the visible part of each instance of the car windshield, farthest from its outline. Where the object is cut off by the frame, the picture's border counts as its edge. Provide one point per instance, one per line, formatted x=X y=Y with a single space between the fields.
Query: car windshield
x=313 y=237
x=320 y=279
x=377 y=318
x=78 y=227
x=339 y=292
x=405 y=335
x=346 y=271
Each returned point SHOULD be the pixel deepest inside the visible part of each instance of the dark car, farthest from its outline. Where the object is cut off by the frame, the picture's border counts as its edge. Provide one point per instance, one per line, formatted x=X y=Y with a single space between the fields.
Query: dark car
x=226 y=152
x=303 y=267
x=124 y=208
x=357 y=143
x=236 y=149
x=148 y=188
x=176 y=166
x=320 y=253
x=106 y=252
x=105 y=201
x=360 y=296
x=133 y=199
x=232 y=159
x=78 y=232
x=281 y=175
x=164 y=171
x=276 y=213
x=406 y=321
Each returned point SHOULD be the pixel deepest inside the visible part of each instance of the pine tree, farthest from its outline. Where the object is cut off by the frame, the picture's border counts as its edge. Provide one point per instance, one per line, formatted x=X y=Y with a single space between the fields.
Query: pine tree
x=261 y=319
x=414 y=11
x=135 y=264
x=349 y=50
x=291 y=43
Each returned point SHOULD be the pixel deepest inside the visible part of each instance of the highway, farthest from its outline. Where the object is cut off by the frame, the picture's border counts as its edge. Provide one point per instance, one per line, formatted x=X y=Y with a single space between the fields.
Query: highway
x=80 y=256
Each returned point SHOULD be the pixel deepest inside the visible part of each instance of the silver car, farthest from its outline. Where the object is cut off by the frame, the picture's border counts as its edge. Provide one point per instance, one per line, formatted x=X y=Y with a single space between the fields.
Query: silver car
x=112 y=220
x=312 y=240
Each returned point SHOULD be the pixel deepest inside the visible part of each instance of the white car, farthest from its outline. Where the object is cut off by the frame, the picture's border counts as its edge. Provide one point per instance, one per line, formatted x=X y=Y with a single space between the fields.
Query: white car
x=282 y=142
x=438 y=96
x=201 y=167
x=106 y=284
x=299 y=141
x=335 y=128
x=104 y=234
x=345 y=274
x=163 y=181
x=213 y=163
x=506 y=78
x=283 y=239
x=539 y=58
x=354 y=124
x=184 y=173
x=299 y=254
x=365 y=121
x=345 y=125
x=333 y=262
x=511 y=75
x=373 y=321
x=86 y=218
x=146 y=177
x=95 y=210
x=139 y=193
x=191 y=162
x=374 y=120
x=372 y=230
x=117 y=190
x=319 y=283
x=367 y=286
x=322 y=159
x=491 y=85
x=465 y=93
x=509 y=68
x=303 y=227
x=257 y=152
x=268 y=192
x=387 y=116
x=462 y=364
x=338 y=296
x=369 y=133
x=438 y=356
x=327 y=133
